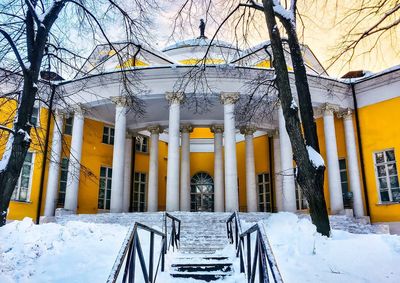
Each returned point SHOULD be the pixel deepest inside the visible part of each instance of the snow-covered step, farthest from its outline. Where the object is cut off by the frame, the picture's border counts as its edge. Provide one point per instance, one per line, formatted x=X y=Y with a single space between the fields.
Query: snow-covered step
x=204 y=269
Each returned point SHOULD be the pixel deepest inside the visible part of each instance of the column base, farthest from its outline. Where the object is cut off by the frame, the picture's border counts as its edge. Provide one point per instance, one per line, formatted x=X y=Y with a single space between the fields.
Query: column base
x=47 y=219
x=63 y=211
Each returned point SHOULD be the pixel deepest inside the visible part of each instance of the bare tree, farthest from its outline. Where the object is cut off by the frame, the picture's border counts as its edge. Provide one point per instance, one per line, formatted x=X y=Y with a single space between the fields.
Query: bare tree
x=366 y=24
x=34 y=30
x=240 y=16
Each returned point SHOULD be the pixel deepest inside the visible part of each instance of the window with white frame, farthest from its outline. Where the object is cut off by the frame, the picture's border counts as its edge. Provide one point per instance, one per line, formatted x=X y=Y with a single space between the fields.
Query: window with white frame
x=387 y=177
x=68 y=125
x=63 y=181
x=264 y=192
x=343 y=175
x=35 y=116
x=22 y=189
x=108 y=135
x=139 y=192
x=301 y=202
x=142 y=144
x=105 y=188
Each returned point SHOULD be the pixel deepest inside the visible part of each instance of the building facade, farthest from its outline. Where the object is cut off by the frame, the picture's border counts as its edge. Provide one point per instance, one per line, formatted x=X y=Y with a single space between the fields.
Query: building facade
x=189 y=150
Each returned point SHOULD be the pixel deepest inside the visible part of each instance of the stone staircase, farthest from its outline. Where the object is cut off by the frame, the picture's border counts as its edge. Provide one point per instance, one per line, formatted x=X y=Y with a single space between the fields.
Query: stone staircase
x=203 y=251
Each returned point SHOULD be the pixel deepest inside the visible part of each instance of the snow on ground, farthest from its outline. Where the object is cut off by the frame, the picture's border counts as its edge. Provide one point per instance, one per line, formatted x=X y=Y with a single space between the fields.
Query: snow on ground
x=76 y=252
x=303 y=255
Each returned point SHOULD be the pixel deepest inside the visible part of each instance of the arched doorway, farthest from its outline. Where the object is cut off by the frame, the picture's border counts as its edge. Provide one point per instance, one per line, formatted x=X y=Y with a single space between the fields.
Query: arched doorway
x=202 y=192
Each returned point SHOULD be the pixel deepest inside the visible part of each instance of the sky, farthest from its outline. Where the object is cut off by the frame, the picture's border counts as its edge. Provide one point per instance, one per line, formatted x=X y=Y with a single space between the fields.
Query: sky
x=322 y=33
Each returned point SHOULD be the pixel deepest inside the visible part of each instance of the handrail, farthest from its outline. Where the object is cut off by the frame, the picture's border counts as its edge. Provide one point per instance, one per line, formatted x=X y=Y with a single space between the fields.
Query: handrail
x=130 y=247
x=175 y=231
x=262 y=254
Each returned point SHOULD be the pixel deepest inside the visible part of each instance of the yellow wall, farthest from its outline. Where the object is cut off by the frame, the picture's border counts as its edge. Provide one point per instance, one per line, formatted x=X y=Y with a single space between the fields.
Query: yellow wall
x=379 y=125
x=261 y=160
x=20 y=209
x=377 y=134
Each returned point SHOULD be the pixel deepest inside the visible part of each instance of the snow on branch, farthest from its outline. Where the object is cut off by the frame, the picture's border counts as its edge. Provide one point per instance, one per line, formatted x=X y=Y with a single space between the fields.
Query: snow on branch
x=282 y=12
x=32 y=10
x=315 y=158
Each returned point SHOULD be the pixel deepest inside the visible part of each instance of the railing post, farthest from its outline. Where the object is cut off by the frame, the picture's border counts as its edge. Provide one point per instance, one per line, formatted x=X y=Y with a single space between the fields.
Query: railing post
x=253 y=270
x=248 y=255
x=141 y=259
x=241 y=259
x=164 y=251
x=132 y=261
x=151 y=259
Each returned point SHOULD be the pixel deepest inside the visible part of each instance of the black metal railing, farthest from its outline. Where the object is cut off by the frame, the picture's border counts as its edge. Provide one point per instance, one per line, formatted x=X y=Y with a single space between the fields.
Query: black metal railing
x=175 y=234
x=132 y=247
x=262 y=256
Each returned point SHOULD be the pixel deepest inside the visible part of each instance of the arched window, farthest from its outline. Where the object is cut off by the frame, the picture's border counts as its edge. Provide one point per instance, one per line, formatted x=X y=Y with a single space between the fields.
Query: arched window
x=202 y=192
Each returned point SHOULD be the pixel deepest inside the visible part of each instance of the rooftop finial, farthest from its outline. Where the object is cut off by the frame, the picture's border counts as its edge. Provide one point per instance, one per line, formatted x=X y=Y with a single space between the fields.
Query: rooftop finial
x=202 y=27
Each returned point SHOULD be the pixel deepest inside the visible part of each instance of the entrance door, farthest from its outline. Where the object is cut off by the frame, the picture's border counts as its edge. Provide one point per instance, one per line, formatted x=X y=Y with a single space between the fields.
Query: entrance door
x=202 y=192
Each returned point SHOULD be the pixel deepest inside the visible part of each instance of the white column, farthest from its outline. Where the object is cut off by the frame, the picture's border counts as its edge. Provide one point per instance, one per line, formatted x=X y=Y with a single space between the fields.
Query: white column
x=127 y=173
x=251 y=190
x=54 y=167
x=231 y=183
x=185 y=167
x=152 y=200
x=174 y=99
x=74 y=166
x=335 y=188
x=277 y=172
x=218 y=168
x=117 y=182
x=288 y=184
x=352 y=162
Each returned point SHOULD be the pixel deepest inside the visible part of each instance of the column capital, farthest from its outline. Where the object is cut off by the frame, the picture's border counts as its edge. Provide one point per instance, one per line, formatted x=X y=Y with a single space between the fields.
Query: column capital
x=78 y=109
x=273 y=133
x=175 y=97
x=121 y=100
x=346 y=114
x=229 y=97
x=329 y=109
x=155 y=129
x=248 y=130
x=186 y=128
x=217 y=129
x=61 y=113
x=130 y=134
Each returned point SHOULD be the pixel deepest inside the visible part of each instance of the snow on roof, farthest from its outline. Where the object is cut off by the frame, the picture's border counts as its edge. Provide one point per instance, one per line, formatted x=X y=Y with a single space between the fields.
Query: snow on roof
x=199 y=42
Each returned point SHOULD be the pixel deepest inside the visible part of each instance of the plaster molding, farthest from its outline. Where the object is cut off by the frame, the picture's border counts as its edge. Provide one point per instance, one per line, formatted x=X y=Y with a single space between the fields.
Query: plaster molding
x=229 y=97
x=174 y=97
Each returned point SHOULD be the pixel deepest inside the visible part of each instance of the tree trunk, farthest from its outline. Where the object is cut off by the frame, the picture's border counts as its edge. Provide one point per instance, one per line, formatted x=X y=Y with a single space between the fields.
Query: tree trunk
x=310 y=178
x=20 y=145
x=315 y=190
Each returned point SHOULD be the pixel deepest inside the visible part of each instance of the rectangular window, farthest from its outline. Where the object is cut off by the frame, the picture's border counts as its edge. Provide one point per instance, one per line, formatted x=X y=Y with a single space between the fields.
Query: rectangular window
x=139 y=192
x=343 y=176
x=264 y=193
x=142 y=144
x=387 y=177
x=108 y=135
x=301 y=202
x=22 y=189
x=68 y=125
x=35 y=116
x=63 y=181
x=105 y=187
x=344 y=183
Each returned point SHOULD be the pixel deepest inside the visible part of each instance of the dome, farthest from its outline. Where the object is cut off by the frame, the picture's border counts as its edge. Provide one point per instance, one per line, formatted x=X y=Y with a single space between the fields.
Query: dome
x=191 y=51
x=200 y=41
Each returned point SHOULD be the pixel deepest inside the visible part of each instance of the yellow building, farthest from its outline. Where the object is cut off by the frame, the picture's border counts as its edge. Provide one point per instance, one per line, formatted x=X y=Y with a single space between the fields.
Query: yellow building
x=190 y=151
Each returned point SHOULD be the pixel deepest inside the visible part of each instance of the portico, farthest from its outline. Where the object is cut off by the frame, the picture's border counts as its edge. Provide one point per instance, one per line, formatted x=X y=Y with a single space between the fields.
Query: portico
x=190 y=151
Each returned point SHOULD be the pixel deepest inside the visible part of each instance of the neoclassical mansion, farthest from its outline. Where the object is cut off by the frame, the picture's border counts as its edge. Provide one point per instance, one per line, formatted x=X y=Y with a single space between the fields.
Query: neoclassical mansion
x=106 y=158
